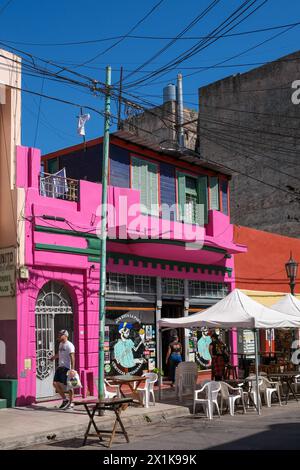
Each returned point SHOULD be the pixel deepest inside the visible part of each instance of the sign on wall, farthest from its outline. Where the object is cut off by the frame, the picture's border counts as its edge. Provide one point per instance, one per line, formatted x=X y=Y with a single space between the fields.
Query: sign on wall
x=7 y=272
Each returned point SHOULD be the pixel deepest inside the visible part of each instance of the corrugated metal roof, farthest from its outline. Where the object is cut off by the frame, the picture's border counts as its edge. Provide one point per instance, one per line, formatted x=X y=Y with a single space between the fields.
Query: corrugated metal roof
x=186 y=155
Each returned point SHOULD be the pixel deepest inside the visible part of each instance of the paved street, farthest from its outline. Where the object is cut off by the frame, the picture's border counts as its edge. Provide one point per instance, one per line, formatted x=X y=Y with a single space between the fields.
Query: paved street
x=278 y=428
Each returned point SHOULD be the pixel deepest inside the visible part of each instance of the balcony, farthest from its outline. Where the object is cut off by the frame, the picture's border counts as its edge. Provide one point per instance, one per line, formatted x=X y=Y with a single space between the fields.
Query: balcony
x=58 y=187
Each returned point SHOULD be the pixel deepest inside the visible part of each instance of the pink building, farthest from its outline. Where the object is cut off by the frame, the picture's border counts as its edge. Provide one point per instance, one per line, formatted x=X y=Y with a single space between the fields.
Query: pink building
x=157 y=265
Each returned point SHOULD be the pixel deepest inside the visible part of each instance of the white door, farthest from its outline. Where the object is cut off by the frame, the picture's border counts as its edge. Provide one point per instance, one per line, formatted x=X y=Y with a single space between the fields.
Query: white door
x=53 y=312
x=45 y=349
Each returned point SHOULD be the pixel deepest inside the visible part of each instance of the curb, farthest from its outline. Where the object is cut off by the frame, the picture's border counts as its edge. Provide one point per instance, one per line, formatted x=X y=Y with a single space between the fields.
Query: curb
x=70 y=432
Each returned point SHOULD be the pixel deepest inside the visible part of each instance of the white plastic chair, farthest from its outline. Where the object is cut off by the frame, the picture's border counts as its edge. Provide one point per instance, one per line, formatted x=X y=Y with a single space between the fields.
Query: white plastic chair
x=148 y=390
x=268 y=388
x=185 y=378
x=296 y=383
x=109 y=394
x=253 y=388
x=230 y=395
x=211 y=391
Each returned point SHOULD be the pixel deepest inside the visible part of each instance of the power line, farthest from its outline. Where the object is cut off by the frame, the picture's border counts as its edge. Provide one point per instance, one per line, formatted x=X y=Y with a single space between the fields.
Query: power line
x=196 y=20
x=218 y=64
x=152 y=38
x=227 y=25
x=144 y=18
x=3 y=8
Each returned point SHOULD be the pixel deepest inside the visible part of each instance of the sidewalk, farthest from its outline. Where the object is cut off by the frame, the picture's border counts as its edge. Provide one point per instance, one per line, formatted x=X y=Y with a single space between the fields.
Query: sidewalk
x=40 y=423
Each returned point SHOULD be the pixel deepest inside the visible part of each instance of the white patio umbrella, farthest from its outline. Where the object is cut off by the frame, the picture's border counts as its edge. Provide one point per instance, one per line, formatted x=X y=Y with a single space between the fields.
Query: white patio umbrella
x=236 y=310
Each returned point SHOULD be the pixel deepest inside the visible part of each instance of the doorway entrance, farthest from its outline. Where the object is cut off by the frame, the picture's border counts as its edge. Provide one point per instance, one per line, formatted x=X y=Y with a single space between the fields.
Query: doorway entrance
x=53 y=312
x=171 y=309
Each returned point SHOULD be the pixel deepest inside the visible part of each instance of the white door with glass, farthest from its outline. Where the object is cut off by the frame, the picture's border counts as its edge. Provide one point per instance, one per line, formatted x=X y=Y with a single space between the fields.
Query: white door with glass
x=53 y=312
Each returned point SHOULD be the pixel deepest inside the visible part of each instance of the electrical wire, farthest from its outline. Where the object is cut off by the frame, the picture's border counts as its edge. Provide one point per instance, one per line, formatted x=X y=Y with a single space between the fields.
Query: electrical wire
x=231 y=22
x=195 y=21
x=144 y=18
x=155 y=38
x=3 y=8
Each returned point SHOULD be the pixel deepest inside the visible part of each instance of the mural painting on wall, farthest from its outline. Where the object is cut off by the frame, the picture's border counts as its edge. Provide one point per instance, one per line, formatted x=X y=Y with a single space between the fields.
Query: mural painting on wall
x=199 y=342
x=129 y=346
x=203 y=356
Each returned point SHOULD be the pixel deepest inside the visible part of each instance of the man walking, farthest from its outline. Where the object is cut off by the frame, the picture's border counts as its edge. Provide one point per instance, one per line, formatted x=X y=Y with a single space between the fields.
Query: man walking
x=66 y=362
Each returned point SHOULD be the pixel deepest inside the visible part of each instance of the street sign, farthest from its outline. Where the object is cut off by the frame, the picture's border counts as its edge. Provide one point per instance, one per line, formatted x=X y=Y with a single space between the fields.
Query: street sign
x=7 y=272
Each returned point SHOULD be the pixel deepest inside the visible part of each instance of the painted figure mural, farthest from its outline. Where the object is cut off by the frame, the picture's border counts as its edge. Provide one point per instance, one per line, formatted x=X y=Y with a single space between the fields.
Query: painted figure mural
x=125 y=347
x=203 y=348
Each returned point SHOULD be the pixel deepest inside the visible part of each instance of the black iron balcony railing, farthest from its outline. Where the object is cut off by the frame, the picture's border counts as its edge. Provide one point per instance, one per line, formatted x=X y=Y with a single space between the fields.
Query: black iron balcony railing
x=59 y=187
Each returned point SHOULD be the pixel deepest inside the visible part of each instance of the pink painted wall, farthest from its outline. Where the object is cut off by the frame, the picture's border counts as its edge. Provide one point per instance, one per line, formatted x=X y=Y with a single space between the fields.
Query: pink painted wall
x=76 y=271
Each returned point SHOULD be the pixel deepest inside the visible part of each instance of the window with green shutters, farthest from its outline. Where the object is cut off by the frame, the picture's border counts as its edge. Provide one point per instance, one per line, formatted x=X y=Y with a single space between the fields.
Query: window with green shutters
x=192 y=198
x=144 y=177
x=214 y=193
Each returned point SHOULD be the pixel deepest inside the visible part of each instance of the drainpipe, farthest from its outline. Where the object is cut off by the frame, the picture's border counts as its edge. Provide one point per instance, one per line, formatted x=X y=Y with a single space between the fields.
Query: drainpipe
x=180 y=133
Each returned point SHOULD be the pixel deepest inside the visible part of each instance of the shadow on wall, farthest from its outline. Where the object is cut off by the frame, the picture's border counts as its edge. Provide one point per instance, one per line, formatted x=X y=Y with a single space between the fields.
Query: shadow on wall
x=277 y=437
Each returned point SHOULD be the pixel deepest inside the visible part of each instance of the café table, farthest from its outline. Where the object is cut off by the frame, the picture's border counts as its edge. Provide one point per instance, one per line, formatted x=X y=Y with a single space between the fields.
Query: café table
x=117 y=405
x=286 y=377
x=131 y=381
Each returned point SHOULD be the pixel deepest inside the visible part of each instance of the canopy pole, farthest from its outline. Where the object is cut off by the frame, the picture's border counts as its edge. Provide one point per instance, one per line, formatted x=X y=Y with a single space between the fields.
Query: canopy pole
x=256 y=371
x=160 y=364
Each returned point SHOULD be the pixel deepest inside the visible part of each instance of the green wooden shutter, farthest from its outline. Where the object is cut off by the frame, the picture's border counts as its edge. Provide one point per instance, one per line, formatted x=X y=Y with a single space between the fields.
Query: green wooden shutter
x=181 y=195
x=145 y=179
x=202 y=213
x=152 y=178
x=214 y=193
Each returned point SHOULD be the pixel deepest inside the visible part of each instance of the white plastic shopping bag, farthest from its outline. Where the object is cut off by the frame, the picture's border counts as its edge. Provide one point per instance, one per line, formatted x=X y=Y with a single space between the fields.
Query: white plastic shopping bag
x=73 y=380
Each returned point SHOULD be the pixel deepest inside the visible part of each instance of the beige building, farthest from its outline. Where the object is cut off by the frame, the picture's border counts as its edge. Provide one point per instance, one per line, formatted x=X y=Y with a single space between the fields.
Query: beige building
x=11 y=205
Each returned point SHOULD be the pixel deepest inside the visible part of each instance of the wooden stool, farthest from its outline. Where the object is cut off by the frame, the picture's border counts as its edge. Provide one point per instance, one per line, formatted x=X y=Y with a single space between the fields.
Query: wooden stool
x=230 y=370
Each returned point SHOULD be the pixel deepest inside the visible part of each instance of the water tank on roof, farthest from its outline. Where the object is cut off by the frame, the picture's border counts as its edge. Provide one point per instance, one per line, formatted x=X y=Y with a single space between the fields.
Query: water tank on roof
x=169 y=93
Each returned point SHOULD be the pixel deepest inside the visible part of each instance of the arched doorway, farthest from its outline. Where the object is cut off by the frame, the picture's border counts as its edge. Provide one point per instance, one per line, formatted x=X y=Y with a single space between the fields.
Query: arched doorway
x=53 y=312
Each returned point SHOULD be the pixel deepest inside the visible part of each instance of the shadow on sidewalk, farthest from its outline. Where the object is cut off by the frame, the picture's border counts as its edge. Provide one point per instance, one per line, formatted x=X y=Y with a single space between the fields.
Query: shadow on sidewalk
x=277 y=437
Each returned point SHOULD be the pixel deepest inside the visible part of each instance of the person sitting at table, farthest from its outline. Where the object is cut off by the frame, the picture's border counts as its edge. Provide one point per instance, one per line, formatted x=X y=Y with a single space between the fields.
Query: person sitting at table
x=219 y=357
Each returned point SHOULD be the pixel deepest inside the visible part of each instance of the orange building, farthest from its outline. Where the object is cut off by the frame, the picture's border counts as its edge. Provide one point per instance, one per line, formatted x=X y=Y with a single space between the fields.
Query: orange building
x=261 y=274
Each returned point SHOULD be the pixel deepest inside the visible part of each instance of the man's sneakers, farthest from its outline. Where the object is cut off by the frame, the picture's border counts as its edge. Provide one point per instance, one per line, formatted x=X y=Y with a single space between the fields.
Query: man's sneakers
x=65 y=405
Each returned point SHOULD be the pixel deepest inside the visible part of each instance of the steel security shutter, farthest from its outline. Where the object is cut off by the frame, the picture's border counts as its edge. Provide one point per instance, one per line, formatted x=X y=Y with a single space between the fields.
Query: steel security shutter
x=181 y=195
x=214 y=193
x=202 y=212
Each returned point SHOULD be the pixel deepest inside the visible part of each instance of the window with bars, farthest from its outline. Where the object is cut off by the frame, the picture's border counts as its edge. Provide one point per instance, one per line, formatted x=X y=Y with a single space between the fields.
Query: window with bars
x=130 y=284
x=172 y=286
x=144 y=177
x=208 y=289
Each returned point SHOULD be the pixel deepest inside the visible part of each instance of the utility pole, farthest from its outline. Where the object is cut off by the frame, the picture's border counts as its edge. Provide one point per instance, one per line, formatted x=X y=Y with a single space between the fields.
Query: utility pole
x=103 y=235
x=120 y=98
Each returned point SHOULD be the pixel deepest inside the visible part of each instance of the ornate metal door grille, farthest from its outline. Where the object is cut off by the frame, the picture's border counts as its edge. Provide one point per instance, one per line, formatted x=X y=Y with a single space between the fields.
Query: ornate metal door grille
x=53 y=311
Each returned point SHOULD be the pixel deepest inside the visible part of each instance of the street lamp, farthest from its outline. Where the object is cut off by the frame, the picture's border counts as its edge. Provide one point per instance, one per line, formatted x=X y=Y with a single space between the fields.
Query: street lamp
x=291 y=267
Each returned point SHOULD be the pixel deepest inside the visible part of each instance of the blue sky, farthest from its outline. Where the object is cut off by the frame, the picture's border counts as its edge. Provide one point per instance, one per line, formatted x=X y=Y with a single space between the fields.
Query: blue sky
x=26 y=22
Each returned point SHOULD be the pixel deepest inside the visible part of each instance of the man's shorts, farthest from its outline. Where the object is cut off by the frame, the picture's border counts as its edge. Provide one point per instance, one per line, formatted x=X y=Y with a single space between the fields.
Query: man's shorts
x=61 y=375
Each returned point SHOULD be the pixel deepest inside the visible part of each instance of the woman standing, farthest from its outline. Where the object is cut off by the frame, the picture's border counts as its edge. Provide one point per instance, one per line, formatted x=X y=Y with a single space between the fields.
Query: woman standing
x=219 y=356
x=175 y=355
